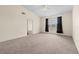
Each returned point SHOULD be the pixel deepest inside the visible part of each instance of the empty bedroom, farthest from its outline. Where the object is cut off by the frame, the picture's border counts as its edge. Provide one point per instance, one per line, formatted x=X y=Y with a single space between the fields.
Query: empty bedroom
x=39 y=29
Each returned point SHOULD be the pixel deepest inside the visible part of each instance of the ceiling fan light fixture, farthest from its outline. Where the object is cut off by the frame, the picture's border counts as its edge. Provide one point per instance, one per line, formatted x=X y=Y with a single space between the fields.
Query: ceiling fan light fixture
x=45 y=8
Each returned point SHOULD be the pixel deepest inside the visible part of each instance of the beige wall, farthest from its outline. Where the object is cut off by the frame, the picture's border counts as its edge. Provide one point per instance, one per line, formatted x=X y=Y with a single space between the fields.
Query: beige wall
x=66 y=22
x=42 y=24
x=13 y=24
x=76 y=25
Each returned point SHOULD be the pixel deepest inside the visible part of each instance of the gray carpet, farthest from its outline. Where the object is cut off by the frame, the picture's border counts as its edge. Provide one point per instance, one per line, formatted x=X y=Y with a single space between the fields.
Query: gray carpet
x=39 y=44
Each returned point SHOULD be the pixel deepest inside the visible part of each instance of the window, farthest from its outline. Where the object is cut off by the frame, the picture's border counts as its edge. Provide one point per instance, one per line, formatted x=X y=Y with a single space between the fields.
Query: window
x=52 y=22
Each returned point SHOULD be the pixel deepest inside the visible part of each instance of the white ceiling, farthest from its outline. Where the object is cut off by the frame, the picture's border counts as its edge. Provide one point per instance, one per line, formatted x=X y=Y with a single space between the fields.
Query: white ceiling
x=48 y=10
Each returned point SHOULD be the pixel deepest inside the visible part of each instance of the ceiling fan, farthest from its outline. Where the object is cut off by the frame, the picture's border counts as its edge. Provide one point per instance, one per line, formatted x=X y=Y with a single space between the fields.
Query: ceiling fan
x=45 y=7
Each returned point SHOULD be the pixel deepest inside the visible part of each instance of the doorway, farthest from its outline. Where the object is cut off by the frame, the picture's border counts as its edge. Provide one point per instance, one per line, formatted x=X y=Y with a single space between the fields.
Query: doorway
x=29 y=26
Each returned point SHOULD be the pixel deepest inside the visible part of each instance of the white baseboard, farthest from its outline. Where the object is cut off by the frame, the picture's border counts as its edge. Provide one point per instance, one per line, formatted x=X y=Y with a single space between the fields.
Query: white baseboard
x=12 y=38
x=58 y=34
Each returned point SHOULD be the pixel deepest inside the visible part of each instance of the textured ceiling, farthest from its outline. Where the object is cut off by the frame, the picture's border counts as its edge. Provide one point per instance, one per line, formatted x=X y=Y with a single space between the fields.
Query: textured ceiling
x=48 y=10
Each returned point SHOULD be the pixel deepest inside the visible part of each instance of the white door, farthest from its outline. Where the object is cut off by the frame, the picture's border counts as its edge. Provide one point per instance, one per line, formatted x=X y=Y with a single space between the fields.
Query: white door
x=29 y=26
